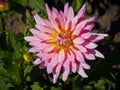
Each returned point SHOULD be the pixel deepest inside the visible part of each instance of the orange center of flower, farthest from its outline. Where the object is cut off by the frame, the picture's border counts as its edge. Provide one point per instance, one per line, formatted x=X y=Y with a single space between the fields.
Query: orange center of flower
x=64 y=40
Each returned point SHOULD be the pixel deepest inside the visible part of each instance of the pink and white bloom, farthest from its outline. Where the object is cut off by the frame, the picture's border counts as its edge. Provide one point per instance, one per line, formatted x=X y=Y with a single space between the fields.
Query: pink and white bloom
x=64 y=41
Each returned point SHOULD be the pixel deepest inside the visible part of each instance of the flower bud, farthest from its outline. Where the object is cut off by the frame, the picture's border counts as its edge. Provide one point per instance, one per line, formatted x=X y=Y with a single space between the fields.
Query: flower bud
x=27 y=57
x=4 y=5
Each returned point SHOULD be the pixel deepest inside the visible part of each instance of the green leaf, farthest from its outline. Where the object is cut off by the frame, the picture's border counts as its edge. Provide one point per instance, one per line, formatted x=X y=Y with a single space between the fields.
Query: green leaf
x=36 y=86
x=100 y=85
x=28 y=78
x=36 y=4
x=54 y=88
x=89 y=8
x=28 y=69
x=110 y=83
x=3 y=86
x=77 y=4
x=77 y=84
x=3 y=72
x=87 y=87
x=22 y=2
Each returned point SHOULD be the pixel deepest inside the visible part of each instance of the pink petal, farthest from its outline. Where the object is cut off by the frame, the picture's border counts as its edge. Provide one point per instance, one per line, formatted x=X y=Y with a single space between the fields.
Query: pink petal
x=39 y=20
x=79 y=56
x=34 y=43
x=81 y=12
x=78 y=28
x=49 y=49
x=104 y=35
x=66 y=66
x=91 y=45
x=98 y=54
x=74 y=22
x=89 y=27
x=65 y=74
x=42 y=65
x=61 y=56
x=54 y=23
x=43 y=29
x=82 y=25
x=31 y=38
x=70 y=13
x=44 y=36
x=49 y=12
x=97 y=37
x=71 y=57
x=56 y=73
x=35 y=32
x=89 y=56
x=33 y=50
x=52 y=64
x=73 y=67
x=78 y=40
x=82 y=72
x=86 y=35
x=81 y=48
x=37 y=61
x=66 y=9
x=41 y=46
x=47 y=56
x=62 y=19
x=55 y=12
x=85 y=65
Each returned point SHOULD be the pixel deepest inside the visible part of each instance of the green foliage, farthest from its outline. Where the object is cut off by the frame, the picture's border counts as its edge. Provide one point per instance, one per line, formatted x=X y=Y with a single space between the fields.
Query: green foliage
x=36 y=4
x=77 y=4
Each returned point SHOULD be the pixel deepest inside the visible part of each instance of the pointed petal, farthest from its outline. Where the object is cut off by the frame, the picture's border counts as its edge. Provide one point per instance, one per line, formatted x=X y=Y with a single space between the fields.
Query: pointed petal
x=48 y=49
x=79 y=56
x=33 y=50
x=49 y=12
x=61 y=56
x=98 y=54
x=73 y=67
x=52 y=64
x=82 y=72
x=85 y=65
x=39 y=20
x=81 y=48
x=86 y=35
x=35 y=32
x=78 y=40
x=54 y=12
x=97 y=37
x=66 y=9
x=44 y=29
x=70 y=15
x=81 y=12
x=31 y=38
x=89 y=27
x=37 y=61
x=66 y=66
x=65 y=74
x=91 y=45
x=56 y=73
x=89 y=56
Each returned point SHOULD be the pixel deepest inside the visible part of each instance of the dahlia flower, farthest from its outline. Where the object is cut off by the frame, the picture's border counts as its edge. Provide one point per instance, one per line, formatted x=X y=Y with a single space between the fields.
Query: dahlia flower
x=64 y=42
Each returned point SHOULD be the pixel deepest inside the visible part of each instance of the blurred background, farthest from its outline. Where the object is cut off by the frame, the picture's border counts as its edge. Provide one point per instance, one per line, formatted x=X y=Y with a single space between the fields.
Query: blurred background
x=16 y=69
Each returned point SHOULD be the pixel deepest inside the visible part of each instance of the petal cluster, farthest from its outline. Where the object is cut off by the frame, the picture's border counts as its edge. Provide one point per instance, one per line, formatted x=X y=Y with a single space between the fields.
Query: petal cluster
x=64 y=41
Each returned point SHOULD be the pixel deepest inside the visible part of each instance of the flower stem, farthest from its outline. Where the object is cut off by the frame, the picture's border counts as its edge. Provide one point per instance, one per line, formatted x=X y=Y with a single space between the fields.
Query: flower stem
x=1 y=27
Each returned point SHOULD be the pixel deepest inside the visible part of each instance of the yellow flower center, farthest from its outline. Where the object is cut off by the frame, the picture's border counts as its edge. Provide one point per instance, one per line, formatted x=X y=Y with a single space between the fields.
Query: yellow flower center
x=64 y=40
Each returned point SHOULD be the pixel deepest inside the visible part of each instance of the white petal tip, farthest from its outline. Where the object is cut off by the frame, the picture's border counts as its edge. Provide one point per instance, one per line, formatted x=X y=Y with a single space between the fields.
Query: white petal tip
x=37 y=61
